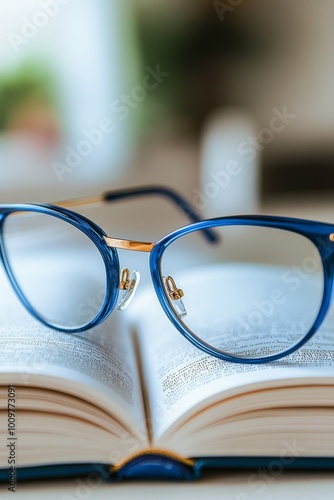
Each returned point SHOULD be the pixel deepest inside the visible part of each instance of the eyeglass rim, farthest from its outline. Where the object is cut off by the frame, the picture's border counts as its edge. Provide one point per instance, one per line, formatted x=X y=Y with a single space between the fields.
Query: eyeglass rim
x=94 y=233
x=317 y=232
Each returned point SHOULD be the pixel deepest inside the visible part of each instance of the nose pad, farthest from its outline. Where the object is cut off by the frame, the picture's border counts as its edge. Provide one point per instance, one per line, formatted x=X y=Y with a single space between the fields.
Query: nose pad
x=176 y=295
x=128 y=286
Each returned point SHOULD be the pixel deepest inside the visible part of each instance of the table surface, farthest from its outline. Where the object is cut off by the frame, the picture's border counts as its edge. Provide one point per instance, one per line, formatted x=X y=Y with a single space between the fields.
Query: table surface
x=236 y=485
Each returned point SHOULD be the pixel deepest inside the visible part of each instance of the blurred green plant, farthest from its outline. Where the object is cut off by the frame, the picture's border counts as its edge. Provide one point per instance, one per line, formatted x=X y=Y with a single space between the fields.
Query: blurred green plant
x=22 y=88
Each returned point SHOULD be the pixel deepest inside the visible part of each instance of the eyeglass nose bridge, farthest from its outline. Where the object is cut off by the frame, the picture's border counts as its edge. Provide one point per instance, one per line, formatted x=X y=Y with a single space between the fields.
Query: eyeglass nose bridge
x=128 y=284
x=136 y=246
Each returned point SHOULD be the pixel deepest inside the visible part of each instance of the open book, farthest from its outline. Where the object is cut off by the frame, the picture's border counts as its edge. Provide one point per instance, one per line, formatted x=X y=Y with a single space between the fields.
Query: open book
x=134 y=398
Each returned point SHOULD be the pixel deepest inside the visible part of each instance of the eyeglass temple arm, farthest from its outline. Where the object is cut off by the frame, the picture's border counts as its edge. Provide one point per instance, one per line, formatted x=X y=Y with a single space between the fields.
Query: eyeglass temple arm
x=171 y=195
x=120 y=194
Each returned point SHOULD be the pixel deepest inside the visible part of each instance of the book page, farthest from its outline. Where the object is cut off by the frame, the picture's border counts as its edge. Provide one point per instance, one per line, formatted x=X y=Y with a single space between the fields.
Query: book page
x=180 y=377
x=98 y=365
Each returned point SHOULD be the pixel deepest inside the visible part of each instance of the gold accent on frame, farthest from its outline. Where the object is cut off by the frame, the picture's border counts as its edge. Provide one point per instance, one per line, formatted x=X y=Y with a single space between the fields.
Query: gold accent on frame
x=331 y=237
x=76 y=202
x=125 y=279
x=137 y=246
x=174 y=292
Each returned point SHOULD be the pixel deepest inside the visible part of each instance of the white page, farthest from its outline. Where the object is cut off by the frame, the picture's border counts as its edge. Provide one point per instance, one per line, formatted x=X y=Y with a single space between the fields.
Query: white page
x=98 y=365
x=180 y=377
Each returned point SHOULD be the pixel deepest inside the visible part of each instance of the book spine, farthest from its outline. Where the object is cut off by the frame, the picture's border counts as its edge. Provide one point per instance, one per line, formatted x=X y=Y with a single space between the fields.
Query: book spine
x=155 y=466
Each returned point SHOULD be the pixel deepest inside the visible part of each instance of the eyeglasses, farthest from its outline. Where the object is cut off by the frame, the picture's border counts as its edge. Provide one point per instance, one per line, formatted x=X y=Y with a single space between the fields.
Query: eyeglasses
x=247 y=289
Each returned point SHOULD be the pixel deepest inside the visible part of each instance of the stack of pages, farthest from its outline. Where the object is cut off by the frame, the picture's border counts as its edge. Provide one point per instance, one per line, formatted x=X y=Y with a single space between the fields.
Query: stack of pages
x=133 y=397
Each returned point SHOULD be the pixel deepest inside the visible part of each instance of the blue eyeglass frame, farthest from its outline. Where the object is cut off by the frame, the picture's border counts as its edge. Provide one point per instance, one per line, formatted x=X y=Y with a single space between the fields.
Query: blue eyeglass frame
x=317 y=232
x=321 y=234
x=94 y=233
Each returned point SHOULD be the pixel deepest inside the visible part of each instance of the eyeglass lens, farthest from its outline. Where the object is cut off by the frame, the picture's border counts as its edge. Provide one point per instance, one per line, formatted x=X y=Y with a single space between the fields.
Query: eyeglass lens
x=58 y=269
x=256 y=293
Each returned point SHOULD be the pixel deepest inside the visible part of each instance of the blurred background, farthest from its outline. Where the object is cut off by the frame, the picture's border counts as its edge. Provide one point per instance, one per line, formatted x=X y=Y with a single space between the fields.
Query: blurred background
x=229 y=101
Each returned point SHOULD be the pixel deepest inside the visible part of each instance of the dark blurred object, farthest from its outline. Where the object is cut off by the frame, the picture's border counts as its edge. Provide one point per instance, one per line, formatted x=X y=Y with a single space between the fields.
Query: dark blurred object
x=304 y=172
x=194 y=51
